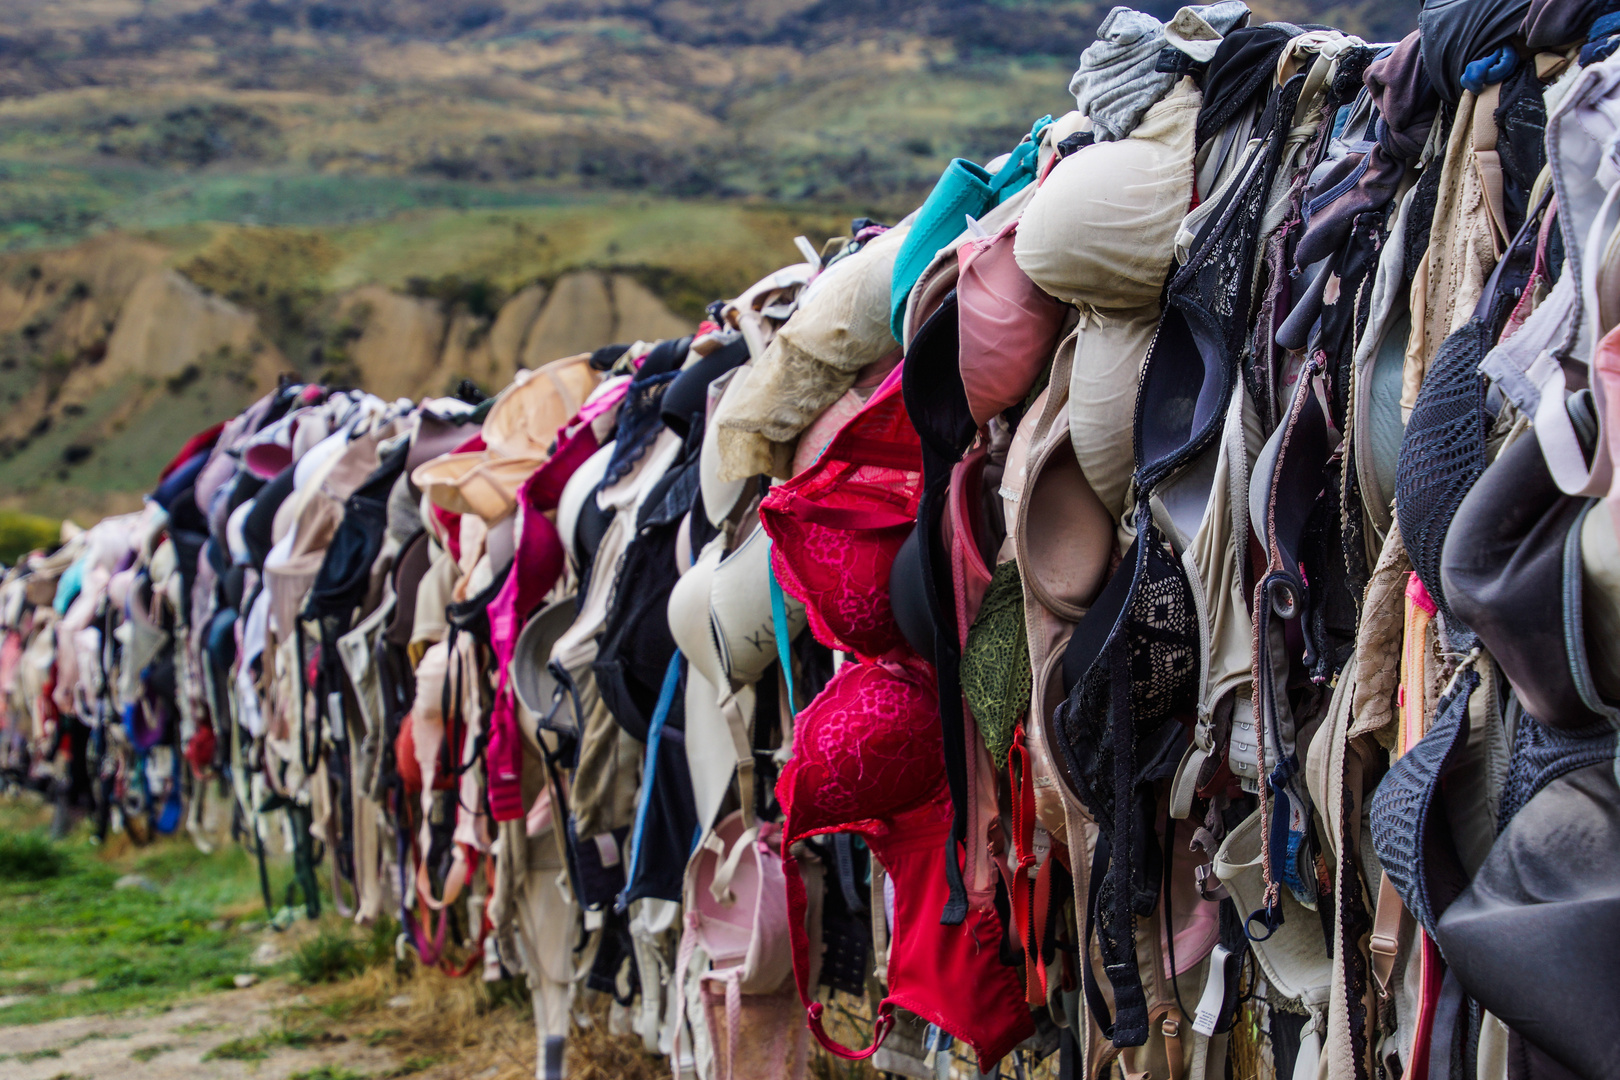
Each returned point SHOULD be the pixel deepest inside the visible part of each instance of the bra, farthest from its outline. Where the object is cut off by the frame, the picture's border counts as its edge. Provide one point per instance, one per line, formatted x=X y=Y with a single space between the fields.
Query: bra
x=838 y=525
x=868 y=758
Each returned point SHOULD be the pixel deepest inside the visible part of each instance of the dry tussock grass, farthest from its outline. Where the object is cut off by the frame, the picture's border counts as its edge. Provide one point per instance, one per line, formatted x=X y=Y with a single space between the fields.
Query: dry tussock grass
x=469 y=1028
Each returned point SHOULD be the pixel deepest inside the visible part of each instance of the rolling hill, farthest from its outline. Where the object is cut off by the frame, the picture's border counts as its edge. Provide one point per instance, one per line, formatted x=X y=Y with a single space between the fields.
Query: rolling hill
x=198 y=195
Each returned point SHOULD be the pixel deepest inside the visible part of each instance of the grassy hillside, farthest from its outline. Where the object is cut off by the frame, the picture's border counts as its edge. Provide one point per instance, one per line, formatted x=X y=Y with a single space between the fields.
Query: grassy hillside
x=199 y=195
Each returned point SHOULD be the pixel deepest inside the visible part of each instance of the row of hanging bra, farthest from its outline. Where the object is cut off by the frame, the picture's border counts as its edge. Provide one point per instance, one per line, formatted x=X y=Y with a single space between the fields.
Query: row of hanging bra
x=1154 y=607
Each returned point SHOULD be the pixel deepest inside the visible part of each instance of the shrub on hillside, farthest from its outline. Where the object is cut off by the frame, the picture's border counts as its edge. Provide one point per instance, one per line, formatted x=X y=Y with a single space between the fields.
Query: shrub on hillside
x=28 y=857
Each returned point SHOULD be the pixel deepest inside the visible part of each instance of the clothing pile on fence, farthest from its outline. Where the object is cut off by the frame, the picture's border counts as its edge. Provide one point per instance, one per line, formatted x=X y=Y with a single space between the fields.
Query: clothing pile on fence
x=1170 y=577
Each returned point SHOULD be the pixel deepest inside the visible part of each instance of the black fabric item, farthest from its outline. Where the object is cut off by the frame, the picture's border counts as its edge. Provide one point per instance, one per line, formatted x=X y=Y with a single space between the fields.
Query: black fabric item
x=936 y=401
x=1240 y=71
x=596 y=883
x=1527 y=1062
x=665 y=358
x=1129 y=669
x=688 y=395
x=1541 y=755
x=344 y=578
x=258 y=525
x=1458 y=32
x=1409 y=826
x=672 y=822
x=471 y=616
x=1420 y=212
x=1192 y=366
x=1512 y=567
x=589 y=531
x=409 y=567
x=1443 y=453
x=604 y=358
x=638 y=425
x=636 y=644
x=846 y=925
x=908 y=596
x=232 y=586
x=1521 y=144
x=188 y=546
x=615 y=954
x=1446 y=1052
x=280 y=405
x=1544 y=911
x=244 y=487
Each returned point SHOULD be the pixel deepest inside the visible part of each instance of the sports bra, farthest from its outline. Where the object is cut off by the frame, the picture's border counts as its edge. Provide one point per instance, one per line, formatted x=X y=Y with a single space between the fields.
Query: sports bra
x=868 y=758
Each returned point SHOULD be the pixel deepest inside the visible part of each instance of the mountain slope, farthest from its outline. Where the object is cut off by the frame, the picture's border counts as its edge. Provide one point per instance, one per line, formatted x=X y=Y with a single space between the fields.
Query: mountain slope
x=200 y=195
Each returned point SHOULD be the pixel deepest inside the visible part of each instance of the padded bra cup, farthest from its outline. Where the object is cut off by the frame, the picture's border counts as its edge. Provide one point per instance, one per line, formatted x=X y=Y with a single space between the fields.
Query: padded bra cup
x=867 y=747
x=908 y=594
x=593 y=525
x=257 y=528
x=688 y=395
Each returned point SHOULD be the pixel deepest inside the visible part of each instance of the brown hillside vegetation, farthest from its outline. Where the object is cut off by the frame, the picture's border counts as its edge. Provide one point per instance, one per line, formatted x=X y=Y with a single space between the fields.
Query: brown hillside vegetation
x=199 y=195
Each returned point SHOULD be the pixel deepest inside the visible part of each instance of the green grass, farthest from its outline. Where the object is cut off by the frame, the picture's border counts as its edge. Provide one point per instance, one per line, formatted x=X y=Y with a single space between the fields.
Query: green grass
x=19 y=534
x=147 y=1053
x=30 y=857
x=257 y=1047
x=328 y=1072
x=332 y=955
x=137 y=947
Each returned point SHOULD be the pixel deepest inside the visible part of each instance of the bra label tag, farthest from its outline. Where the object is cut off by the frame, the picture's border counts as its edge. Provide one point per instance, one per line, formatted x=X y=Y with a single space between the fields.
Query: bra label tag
x=1209 y=1005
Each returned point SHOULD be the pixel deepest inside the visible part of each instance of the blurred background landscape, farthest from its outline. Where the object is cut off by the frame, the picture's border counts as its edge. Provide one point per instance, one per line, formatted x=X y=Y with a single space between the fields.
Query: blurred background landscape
x=197 y=196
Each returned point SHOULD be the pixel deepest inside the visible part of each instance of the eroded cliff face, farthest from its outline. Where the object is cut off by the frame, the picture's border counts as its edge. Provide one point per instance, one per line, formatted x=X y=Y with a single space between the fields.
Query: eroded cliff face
x=407 y=346
x=109 y=354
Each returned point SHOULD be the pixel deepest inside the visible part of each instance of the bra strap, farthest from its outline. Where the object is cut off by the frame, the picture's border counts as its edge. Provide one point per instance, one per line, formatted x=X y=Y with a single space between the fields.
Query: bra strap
x=798 y=908
x=742 y=746
x=1032 y=880
x=880 y=1031
x=655 y=733
x=780 y=624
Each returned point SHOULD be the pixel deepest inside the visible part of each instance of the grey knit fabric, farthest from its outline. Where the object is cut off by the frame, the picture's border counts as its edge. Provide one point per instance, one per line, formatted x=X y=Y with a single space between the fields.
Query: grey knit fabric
x=1119 y=80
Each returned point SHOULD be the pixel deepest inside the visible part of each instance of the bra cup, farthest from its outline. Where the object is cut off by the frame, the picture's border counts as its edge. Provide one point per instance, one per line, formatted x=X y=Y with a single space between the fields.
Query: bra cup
x=967 y=538
x=1050 y=796
x=740 y=611
x=868 y=747
x=1015 y=472
x=1065 y=535
x=689 y=616
x=719 y=496
x=533 y=685
x=823 y=428
x=579 y=487
x=711 y=755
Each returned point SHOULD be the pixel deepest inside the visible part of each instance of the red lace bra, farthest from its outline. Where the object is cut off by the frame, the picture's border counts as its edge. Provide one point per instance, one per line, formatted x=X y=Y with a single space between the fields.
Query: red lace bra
x=839 y=524
x=868 y=758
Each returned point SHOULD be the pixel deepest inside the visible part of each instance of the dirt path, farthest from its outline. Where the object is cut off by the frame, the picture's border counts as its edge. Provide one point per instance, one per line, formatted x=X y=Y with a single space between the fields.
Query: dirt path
x=174 y=1044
